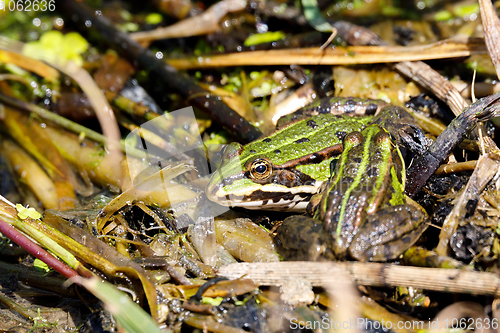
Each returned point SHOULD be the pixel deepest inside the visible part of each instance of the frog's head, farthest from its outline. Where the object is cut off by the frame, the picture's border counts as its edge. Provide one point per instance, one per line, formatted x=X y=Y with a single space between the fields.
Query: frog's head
x=253 y=181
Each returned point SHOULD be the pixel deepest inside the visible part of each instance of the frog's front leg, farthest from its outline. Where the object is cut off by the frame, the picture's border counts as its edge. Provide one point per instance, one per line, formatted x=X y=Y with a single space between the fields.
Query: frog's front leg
x=388 y=233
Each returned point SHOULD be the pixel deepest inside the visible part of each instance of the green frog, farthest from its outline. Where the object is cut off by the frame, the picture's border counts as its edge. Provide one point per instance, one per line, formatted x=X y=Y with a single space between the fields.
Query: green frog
x=350 y=164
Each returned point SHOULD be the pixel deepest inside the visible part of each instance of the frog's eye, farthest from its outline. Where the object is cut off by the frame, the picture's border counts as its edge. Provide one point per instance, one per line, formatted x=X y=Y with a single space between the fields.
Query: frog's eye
x=260 y=169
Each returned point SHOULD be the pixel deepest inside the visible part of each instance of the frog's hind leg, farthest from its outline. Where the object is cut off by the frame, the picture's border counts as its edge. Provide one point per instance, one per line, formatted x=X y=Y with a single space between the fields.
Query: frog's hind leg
x=387 y=234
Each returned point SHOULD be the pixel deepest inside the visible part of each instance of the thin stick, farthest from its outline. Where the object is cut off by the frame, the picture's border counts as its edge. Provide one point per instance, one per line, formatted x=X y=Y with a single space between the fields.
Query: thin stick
x=447 y=169
x=29 y=64
x=337 y=56
x=427 y=77
x=203 y=24
x=371 y=274
x=103 y=110
x=418 y=71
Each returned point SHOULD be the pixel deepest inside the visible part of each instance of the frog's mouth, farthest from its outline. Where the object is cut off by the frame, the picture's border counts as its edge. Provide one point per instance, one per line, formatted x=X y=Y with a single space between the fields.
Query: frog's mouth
x=266 y=197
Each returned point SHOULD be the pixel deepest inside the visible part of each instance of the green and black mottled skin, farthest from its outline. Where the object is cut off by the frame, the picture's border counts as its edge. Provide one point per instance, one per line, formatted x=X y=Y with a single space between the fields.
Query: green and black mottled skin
x=363 y=211
x=363 y=206
x=298 y=157
x=334 y=106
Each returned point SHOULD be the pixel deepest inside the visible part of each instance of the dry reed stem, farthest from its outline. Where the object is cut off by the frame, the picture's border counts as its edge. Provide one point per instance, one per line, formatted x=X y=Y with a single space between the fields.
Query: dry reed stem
x=338 y=56
x=424 y=75
x=371 y=274
x=491 y=28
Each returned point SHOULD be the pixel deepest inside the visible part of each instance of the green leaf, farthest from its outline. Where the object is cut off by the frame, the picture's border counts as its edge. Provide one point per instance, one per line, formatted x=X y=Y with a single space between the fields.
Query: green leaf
x=41 y=266
x=129 y=315
x=154 y=18
x=129 y=27
x=51 y=40
x=219 y=138
x=212 y=301
x=443 y=15
x=67 y=47
x=24 y=212
x=265 y=37
x=314 y=16
x=466 y=10
x=74 y=45
x=255 y=75
x=75 y=42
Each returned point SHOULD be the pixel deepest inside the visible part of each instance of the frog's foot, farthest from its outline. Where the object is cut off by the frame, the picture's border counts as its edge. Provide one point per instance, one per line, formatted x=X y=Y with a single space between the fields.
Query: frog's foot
x=303 y=238
x=387 y=234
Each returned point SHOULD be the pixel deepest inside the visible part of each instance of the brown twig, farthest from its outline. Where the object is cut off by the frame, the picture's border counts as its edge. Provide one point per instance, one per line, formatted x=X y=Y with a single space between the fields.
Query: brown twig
x=426 y=164
x=491 y=28
x=36 y=279
x=428 y=78
x=101 y=106
x=337 y=56
x=203 y=24
x=370 y=274
x=481 y=89
x=29 y=64
x=176 y=275
x=447 y=169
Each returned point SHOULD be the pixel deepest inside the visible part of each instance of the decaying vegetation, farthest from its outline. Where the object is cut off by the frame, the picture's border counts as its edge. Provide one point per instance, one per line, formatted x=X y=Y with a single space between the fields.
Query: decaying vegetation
x=98 y=183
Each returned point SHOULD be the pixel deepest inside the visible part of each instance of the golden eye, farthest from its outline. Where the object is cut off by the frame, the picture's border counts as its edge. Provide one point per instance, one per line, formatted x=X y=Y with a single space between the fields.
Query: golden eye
x=260 y=169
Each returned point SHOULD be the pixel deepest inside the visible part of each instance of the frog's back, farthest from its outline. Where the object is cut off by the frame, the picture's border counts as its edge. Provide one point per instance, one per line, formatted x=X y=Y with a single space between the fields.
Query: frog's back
x=303 y=138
